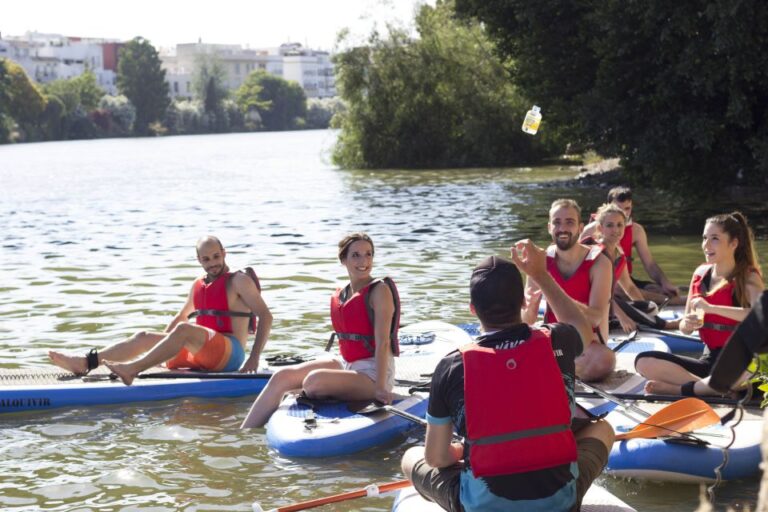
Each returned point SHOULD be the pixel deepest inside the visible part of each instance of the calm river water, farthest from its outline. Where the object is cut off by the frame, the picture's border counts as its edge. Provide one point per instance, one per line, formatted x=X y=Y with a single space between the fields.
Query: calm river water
x=98 y=242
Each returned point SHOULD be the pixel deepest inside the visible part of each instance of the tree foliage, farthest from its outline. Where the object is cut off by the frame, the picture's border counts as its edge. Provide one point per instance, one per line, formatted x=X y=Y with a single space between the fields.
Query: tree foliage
x=677 y=90
x=141 y=79
x=281 y=104
x=209 y=82
x=21 y=102
x=80 y=91
x=443 y=100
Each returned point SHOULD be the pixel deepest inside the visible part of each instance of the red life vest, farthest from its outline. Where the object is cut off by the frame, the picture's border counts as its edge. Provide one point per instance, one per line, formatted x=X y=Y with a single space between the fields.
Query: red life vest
x=716 y=329
x=517 y=411
x=619 y=261
x=353 y=321
x=211 y=304
x=578 y=285
x=626 y=243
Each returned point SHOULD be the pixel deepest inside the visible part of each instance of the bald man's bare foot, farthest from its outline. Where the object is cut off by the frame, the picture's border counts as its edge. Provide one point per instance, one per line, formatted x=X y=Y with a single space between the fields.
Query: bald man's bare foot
x=657 y=387
x=75 y=364
x=121 y=370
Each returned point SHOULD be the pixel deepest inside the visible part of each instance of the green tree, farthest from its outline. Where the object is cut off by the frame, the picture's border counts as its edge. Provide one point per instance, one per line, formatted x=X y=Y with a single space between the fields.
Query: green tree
x=676 y=90
x=21 y=102
x=141 y=79
x=281 y=104
x=442 y=100
x=78 y=91
x=209 y=82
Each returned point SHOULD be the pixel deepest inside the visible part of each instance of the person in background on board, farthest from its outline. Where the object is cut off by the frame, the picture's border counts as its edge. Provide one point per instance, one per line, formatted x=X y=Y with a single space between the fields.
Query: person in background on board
x=585 y=274
x=636 y=238
x=611 y=224
x=525 y=446
x=366 y=316
x=720 y=297
x=224 y=305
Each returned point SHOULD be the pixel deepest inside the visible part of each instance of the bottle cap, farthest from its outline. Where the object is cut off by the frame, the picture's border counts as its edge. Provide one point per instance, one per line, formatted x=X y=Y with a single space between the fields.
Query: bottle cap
x=536 y=108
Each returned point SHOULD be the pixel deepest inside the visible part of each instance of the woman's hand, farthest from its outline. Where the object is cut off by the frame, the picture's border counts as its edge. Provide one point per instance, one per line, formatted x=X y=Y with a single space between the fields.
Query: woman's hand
x=702 y=304
x=690 y=322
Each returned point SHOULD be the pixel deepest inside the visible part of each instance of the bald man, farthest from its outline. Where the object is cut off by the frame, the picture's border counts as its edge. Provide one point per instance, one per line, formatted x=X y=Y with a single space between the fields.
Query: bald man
x=224 y=305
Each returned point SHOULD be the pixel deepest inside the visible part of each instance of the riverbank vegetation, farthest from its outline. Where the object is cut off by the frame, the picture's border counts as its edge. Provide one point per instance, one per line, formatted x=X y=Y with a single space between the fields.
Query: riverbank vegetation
x=678 y=92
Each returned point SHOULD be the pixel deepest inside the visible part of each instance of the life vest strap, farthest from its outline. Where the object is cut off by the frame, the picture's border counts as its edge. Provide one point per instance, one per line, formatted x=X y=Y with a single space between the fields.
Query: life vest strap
x=219 y=312
x=521 y=434
x=718 y=327
x=366 y=340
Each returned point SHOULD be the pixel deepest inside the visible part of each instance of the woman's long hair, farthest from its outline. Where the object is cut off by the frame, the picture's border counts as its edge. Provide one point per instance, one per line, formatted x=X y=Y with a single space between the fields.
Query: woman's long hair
x=736 y=226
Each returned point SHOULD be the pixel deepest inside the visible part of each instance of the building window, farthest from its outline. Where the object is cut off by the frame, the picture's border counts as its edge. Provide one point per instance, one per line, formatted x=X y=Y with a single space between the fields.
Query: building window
x=176 y=87
x=237 y=68
x=188 y=87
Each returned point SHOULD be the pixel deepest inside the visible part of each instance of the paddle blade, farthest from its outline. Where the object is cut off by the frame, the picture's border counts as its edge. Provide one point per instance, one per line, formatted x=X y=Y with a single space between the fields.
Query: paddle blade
x=683 y=416
x=371 y=490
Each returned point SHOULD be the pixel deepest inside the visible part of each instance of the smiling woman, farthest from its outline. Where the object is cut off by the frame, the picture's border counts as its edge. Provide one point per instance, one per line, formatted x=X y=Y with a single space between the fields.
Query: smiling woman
x=365 y=315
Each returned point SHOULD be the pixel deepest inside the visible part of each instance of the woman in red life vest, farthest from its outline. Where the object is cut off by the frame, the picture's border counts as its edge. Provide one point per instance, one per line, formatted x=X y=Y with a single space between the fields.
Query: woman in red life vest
x=365 y=315
x=609 y=231
x=721 y=294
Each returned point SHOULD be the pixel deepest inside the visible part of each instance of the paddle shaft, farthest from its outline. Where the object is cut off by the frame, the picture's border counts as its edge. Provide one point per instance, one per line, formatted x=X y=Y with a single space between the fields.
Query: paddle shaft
x=714 y=400
x=371 y=490
x=671 y=334
x=613 y=398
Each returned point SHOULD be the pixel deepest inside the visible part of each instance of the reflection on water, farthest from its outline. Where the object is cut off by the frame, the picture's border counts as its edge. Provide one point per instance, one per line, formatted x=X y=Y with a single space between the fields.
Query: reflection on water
x=98 y=243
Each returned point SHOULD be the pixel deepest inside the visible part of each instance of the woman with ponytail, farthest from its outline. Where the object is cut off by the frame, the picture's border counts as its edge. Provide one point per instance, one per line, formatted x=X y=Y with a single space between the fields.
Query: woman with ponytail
x=722 y=292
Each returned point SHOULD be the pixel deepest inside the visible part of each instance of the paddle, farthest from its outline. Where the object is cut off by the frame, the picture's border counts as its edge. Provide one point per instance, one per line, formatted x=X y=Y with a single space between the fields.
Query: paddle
x=372 y=490
x=712 y=400
x=681 y=417
x=640 y=317
x=202 y=375
x=671 y=334
x=630 y=337
x=375 y=407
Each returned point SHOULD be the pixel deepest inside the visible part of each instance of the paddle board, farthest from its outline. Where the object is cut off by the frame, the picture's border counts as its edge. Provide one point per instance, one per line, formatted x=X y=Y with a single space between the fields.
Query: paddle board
x=331 y=428
x=675 y=461
x=597 y=499
x=43 y=389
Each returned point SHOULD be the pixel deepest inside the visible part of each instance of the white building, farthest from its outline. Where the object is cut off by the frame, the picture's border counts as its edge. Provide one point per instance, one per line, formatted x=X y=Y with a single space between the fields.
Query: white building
x=49 y=57
x=310 y=69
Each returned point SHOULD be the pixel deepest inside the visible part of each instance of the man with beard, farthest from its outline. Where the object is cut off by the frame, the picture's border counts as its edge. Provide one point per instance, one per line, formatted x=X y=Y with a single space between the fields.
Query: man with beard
x=585 y=274
x=223 y=304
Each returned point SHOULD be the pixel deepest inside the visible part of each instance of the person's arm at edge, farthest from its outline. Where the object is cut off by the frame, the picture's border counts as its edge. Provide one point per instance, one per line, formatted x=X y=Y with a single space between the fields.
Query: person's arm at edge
x=564 y=307
x=439 y=451
x=249 y=293
x=601 y=277
x=383 y=304
x=589 y=230
x=629 y=287
x=651 y=267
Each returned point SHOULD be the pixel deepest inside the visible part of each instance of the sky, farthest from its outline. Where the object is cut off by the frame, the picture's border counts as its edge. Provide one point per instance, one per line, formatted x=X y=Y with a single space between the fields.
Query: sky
x=255 y=23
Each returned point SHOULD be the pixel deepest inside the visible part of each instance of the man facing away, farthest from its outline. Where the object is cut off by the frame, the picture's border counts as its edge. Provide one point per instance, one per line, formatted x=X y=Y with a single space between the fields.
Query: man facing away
x=586 y=274
x=223 y=304
x=636 y=238
x=510 y=396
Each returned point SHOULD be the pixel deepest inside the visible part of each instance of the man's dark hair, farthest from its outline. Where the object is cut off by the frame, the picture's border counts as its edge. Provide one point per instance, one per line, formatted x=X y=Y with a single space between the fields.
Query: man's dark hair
x=496 y=291
x=619 y=194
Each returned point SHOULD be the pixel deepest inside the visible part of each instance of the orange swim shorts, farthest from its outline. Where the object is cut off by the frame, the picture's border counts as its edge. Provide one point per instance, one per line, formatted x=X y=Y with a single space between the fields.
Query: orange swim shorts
x=221 y=353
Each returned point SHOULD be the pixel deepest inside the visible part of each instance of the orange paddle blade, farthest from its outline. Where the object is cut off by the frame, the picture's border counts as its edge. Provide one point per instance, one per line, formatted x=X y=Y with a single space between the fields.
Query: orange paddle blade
x=368 y=491
x=683 y=416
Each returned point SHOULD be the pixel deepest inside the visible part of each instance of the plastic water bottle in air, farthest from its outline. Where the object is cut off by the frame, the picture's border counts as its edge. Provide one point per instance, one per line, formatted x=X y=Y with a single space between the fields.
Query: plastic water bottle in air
x=532 y=120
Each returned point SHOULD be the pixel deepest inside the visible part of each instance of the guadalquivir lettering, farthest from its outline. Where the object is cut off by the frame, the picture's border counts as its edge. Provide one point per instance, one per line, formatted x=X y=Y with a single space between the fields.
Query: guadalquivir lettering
x=16 y=403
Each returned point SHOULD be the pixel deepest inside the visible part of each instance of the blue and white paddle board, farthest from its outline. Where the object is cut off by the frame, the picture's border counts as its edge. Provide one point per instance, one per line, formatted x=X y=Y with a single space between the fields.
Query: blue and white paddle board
x=43 y=389
x=668 y=460
x=330 y=429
